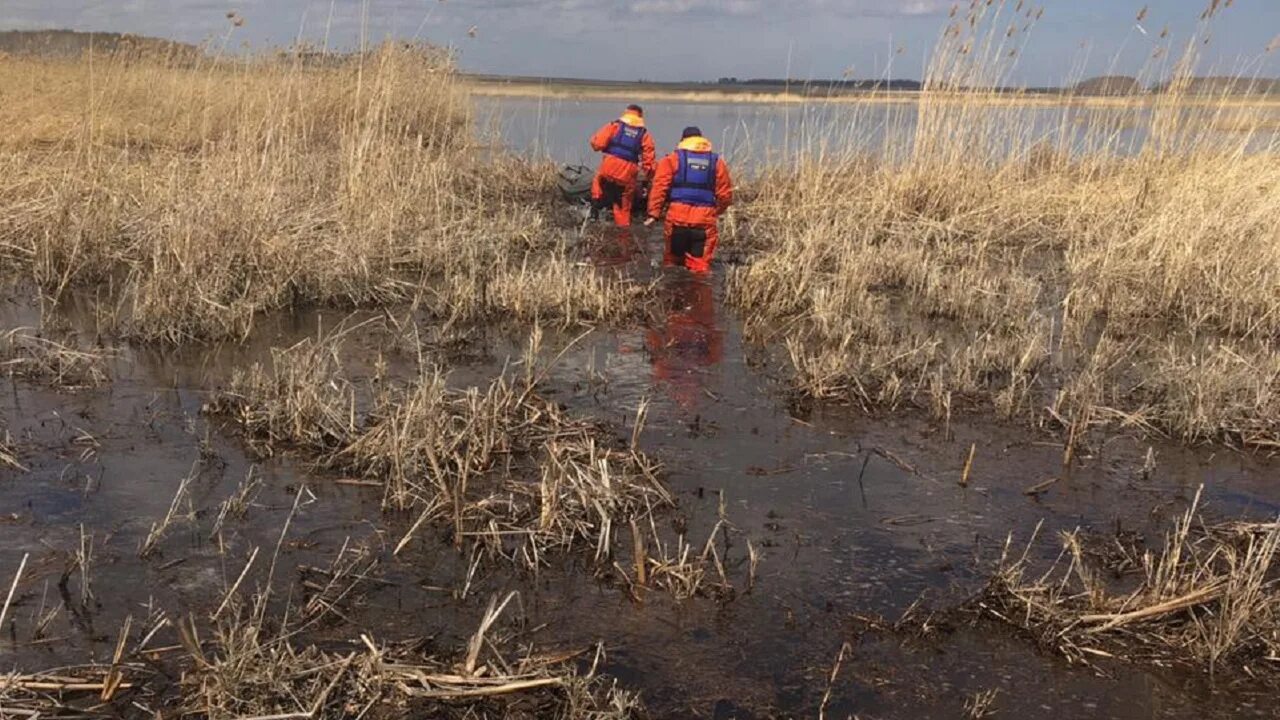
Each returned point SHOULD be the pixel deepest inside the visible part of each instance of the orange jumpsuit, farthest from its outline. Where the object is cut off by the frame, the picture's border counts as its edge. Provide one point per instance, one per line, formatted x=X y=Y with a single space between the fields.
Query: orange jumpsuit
x=618 y=172
x=681 y=215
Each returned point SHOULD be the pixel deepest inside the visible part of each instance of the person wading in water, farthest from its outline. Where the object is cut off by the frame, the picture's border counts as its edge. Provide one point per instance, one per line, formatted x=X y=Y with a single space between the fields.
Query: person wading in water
x=693 y=186
x=628 y=150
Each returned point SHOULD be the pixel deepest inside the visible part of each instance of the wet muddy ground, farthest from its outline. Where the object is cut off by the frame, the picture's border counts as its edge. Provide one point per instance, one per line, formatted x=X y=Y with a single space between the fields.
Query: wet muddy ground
x=855 y=516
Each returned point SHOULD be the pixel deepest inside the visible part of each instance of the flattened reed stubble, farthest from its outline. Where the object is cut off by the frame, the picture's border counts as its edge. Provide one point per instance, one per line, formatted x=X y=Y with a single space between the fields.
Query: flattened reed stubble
x=254 y=662
x=1061 y=265
x=203 y=193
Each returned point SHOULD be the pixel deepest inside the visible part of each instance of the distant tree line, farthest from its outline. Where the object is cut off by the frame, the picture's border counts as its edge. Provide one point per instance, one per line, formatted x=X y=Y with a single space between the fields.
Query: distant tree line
x=1123 y=85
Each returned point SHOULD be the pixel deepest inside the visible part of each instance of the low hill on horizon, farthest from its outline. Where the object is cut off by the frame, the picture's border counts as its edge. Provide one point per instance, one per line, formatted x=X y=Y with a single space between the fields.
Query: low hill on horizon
x=1109 y=86
x=73 y=43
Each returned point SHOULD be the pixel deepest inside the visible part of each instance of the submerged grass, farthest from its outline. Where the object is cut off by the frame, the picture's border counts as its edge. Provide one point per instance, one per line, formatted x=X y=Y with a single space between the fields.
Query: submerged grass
x=1065 y=269
x=28 y=355
x=201 y=195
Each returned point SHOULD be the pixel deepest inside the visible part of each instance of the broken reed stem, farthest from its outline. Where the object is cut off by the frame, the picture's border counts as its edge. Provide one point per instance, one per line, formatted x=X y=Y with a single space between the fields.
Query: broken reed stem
x=84 y=559
x=158 y=530
x=831 y=681
x=13 y=588
x=968 y=465
x=641 y=557
x=114 y=677
x=226 y=599
x=642 y=414
x=275 y=555
x=477 y=641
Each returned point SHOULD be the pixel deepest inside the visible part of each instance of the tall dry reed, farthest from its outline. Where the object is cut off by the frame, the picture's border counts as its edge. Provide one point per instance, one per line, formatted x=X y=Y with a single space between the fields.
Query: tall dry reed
x=202 y=193
x=1077 y=266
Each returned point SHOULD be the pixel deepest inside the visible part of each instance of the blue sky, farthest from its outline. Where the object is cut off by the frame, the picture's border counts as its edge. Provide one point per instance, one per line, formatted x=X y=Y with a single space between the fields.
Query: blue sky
x=691 y=39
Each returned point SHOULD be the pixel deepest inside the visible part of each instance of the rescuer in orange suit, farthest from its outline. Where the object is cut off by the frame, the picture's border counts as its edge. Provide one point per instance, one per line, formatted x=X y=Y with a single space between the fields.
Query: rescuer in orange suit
x=628 y=149
x=689 y=344
x=693 y=184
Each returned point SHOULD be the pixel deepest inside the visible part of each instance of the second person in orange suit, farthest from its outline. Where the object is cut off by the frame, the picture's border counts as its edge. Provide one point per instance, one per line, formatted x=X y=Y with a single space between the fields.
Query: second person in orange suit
x=694 y=187
x=628 y=149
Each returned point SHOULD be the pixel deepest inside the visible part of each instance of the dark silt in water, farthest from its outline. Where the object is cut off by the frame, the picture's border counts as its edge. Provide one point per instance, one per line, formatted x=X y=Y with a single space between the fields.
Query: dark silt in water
x=843 y=531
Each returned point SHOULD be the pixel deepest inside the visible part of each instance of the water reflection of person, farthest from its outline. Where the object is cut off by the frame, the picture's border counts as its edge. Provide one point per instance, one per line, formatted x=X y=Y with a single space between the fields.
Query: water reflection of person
x=689 y=342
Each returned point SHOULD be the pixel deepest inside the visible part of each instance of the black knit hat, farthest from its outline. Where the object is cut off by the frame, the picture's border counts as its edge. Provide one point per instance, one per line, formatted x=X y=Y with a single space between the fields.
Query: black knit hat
x=691 y=131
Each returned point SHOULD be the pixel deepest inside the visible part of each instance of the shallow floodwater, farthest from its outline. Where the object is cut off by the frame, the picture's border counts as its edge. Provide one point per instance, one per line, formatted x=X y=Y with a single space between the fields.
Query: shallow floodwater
x=751 y=133
x=843 y=531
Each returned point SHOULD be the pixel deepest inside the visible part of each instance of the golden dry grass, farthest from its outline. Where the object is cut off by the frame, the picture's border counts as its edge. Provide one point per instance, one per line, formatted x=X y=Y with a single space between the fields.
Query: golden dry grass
x=1057 y=271
x=200 y=196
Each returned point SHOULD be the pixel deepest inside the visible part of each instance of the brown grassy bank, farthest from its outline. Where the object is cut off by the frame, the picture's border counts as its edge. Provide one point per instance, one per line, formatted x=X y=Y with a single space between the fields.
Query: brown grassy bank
x=1065 y=273
x=196 y=197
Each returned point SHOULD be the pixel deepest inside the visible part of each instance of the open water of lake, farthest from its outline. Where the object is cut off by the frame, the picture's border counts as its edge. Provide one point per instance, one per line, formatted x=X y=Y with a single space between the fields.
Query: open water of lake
x=750 y=133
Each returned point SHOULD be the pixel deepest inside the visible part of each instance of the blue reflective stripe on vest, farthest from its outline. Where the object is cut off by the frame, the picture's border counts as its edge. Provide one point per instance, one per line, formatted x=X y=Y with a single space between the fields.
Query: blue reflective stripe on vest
x=695 y=179
x=626 y=143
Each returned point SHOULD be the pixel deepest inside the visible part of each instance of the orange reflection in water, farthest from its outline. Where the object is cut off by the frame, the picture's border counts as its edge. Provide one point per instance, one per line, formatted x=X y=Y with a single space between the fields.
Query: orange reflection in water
x=689 y=342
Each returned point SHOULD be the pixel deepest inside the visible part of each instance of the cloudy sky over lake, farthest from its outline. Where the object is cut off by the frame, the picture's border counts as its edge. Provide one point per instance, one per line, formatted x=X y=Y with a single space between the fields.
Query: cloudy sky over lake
x=686 y=39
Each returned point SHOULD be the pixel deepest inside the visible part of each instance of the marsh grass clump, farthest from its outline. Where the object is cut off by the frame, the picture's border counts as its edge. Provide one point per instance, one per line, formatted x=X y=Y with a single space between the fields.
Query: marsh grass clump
x=1059 y=267
x=1206 y=598
x=197 y=196
x=500 y=466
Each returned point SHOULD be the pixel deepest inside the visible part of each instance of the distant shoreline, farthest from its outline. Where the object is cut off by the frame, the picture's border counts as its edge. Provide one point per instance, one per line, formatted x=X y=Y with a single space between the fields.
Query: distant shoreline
x=827 y=93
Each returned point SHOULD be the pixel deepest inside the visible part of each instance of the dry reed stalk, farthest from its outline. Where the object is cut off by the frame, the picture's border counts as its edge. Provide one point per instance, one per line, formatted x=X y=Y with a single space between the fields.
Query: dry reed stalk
x=831 y=681
x=237 y=505
x=968 y=465
x=13 y=588
x=158 y=530
x=84 y=565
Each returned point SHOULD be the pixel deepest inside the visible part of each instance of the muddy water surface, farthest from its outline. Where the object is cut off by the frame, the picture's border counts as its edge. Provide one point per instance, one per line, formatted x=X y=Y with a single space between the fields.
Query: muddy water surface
x=854 y=515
